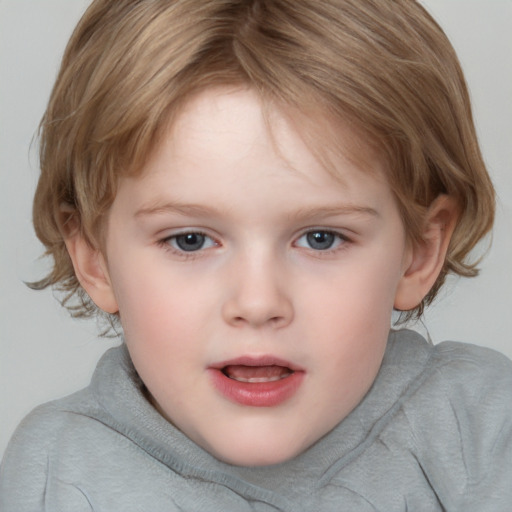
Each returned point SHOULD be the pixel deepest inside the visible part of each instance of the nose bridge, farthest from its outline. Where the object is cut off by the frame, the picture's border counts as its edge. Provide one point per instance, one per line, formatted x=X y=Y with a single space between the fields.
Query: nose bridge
x=259 y=292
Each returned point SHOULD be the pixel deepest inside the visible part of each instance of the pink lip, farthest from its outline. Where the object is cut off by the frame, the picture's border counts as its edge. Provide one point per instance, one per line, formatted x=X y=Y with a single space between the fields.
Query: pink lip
x=257 y=394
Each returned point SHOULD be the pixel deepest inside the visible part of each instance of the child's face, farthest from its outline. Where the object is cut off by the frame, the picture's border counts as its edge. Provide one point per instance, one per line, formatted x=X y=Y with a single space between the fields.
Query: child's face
x=254 y=289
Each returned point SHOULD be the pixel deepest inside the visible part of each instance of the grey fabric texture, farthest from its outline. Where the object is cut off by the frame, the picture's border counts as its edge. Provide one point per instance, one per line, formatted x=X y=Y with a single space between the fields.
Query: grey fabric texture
x=434 y=433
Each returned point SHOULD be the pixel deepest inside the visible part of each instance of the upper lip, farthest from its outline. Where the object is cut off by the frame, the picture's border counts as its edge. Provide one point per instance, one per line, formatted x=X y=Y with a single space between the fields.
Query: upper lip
x=263 y=360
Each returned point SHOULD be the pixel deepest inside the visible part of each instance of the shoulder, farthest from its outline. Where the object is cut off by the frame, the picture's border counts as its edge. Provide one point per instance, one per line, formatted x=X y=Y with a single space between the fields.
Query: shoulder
x=461 y=417
x=461 y=371
x=457 y=353
x=45 y=444
x=474 y=384
x=454 y=394
x=473 y=375
x=468 y=383
x=26 y=463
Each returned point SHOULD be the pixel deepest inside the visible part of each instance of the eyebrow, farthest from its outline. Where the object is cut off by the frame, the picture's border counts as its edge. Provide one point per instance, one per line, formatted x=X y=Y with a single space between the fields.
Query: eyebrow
x=334 y=211
x=197 y=210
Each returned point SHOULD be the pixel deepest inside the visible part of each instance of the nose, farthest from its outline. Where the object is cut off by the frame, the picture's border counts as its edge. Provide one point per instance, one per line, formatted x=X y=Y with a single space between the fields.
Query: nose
x=258 y=294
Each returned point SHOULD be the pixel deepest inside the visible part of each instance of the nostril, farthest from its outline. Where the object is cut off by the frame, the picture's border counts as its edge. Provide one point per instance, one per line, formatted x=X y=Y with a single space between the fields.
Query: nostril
x=257 y=309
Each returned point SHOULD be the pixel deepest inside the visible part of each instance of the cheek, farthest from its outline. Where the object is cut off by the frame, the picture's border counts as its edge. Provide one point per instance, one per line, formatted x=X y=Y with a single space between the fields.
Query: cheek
x=349 y=317
x=361 y=291
x=162 y=320
x=150 y=303
x=166 y=317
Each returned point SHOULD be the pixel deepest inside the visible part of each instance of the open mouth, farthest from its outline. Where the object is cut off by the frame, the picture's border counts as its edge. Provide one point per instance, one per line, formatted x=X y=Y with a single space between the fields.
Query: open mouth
x=257 y=382
x=256 y=374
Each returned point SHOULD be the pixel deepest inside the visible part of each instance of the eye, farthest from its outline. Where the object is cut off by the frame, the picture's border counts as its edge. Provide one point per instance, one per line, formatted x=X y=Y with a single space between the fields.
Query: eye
x=190 y=242
x=320 y=240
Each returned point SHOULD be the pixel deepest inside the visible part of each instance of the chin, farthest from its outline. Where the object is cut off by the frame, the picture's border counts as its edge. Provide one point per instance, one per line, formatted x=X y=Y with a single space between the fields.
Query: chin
x=252 y=454
x=251 y=459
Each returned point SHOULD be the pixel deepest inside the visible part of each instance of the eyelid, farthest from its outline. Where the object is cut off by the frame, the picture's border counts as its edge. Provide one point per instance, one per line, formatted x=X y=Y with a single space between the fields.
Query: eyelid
x=342 y=233
x=180 y=231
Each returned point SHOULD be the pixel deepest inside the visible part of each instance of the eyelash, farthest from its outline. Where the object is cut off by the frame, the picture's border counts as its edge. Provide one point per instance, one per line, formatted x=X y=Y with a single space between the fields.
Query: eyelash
x=339 y=239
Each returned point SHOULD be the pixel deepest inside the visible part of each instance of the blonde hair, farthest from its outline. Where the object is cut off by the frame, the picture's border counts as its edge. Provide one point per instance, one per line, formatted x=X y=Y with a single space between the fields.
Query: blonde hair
x=383 y=65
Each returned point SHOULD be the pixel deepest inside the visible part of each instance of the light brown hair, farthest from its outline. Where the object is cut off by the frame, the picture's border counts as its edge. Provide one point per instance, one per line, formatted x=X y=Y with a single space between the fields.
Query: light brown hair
x=385 y=66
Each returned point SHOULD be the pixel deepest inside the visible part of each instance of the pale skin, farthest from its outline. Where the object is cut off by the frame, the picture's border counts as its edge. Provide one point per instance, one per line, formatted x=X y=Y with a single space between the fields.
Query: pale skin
x=237 y=243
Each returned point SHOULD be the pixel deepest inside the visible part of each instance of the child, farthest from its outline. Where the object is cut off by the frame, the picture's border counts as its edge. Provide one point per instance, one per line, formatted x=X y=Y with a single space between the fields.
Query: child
x=248 y=188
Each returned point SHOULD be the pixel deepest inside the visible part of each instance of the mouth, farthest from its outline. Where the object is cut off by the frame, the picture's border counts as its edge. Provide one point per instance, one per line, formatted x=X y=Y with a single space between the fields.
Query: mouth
x=256 y=374
x=257 y=382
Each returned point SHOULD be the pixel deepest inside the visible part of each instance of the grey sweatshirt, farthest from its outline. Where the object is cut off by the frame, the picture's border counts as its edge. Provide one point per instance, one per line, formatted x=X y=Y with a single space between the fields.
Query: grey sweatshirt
x=434 y=433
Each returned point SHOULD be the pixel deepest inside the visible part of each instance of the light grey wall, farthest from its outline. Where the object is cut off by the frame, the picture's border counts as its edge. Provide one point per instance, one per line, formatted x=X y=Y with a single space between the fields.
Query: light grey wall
x=44 y=354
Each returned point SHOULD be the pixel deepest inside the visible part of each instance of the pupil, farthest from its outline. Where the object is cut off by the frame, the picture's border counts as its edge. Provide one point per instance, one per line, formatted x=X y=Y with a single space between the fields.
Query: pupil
x=320 y=240
x=190 y=241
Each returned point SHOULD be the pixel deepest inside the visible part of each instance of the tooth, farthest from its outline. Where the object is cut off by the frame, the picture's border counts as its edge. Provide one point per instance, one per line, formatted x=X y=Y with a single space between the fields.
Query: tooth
x=255 y=380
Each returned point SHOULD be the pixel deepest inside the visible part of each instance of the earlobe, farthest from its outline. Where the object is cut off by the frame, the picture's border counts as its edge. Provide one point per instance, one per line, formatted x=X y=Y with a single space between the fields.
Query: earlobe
x=91 y=271
x=425 y=260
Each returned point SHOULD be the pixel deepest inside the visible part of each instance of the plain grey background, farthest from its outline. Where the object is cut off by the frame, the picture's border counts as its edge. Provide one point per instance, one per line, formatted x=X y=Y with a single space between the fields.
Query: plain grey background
x=45 y=355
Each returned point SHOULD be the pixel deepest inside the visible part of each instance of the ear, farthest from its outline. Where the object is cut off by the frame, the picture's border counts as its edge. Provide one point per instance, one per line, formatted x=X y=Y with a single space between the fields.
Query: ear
x=425 y=260
x=91 y=271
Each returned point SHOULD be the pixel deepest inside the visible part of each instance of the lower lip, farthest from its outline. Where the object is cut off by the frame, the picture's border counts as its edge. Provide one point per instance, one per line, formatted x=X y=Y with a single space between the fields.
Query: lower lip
x=257 y=394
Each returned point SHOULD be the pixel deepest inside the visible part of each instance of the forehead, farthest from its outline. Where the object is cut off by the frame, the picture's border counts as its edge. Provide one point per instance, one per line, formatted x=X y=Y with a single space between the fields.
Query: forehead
x=227 y=149
x=233 y=122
